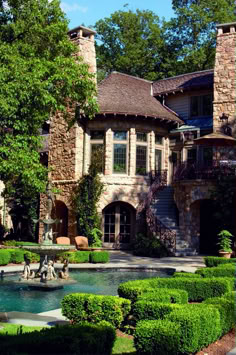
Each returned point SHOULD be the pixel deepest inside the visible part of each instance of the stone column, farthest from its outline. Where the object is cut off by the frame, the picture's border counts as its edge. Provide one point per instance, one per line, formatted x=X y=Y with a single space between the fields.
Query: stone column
x=132 y=152
x=151 y=151
x=108 y=152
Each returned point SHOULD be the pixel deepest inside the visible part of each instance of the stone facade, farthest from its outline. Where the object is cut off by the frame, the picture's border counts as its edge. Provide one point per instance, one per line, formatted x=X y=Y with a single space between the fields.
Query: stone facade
x=225 y=76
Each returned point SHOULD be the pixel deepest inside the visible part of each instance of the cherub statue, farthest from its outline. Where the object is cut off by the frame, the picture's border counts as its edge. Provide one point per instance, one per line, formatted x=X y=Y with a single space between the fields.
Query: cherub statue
x=51 y=274
x=27 y=273
x=64 y=273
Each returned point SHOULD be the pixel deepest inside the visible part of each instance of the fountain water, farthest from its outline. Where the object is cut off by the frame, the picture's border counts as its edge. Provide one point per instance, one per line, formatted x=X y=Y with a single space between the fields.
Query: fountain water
x=47 y=251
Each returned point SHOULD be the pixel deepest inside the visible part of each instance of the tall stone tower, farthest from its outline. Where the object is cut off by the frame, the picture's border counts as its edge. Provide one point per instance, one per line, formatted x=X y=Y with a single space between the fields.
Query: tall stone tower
x=225 y=78
x=65 y=158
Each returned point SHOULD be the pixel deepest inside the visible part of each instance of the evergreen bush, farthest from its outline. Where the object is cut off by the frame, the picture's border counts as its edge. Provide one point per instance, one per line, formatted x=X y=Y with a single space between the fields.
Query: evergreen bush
x=152 y=310
x=225 y=270
x=185 y=274
x=149 y=246
x=17 y=256
x=81 y=339
x=99 y=257
x=211 y=261
x=5 y=256
x=75 y=257
x=79 y=307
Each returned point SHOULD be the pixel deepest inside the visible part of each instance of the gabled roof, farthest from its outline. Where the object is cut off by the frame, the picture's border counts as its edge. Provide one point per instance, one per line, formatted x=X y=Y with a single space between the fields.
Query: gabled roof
x=197 y=80
x=122 y=94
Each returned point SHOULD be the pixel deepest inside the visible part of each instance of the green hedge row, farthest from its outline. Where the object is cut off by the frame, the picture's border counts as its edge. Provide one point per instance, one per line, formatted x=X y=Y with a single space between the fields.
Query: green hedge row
x=225 y=270
x=79 y=307
x=152 y=310
x=77 y=257
x=211 y=261
x=185 y=274
x=198 y=289
x=186 y=329
x=16 y=256
x=82 y=339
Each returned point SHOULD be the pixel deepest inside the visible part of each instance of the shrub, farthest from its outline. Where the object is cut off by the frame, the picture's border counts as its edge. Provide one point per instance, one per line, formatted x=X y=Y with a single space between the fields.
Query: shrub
x=165 y=296
x=79 y=307
x=149 y=246
x=211 y=261
x=82 y=339
x=33 y=257
x=185 y=274
x=198 y=288
x=17 y=256
x=226 y=309
x=75 y=257
x=15 y=243
x=225 y=270
x=157 y=337
x=99 y=257
x=199 y=324
x=5 y=256
x=151 y=310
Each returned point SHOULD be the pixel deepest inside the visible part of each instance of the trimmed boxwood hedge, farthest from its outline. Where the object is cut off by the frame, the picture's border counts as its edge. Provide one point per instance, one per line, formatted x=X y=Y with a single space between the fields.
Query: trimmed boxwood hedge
x=185 y=274
x=17 y=256
x=186 y=329
x=75 y=257
x=198 y=288
x=99 y=257
x=5 y=257
x=152 y=310
x=212 y=261
x=225 y=270
x=82 y=339
x=79 y=307
x=226 y=307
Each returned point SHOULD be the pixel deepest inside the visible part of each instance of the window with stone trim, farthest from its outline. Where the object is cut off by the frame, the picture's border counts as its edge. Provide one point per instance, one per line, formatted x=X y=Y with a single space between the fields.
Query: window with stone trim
x=201 y=105
x=141 y=153
x=97 y=139
x=120 y=151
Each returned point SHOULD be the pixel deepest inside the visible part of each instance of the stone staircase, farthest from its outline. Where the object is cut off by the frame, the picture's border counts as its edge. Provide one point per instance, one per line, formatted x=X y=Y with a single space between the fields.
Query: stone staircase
x=164 y=209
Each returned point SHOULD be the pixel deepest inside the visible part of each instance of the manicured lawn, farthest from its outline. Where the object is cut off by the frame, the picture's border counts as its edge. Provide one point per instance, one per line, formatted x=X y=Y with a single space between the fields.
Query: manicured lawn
x=123 y=346
x=12 y=329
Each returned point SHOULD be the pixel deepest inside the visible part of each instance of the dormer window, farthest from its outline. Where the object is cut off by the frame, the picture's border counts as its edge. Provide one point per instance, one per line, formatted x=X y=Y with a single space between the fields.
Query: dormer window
x=201 y=106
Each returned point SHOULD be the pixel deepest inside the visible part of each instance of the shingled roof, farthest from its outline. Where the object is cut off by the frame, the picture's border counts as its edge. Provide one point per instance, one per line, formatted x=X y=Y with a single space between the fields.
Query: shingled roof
x=122 y=94
x=197 y=80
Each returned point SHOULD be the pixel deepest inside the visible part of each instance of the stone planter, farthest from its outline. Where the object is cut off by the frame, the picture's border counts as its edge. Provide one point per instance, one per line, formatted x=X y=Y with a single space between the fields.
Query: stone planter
x=225 y=254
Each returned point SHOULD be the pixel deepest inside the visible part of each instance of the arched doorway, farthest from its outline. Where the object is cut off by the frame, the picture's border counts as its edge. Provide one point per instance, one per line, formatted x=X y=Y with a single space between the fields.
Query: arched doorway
x=60 y=212
x=118 y=225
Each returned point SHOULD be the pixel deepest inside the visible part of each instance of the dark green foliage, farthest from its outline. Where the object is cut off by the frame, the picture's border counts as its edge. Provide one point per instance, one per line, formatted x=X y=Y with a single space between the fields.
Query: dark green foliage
x=5 y=256
x=149 y=246
x=99 y=257
x=33 y=257
x=14 y=243
x=198 y=289
x=226 y=270
x=75 y=257
x=79 y=307
x=226 y=308
x=165 y=296
x=84 y=200
x=17 y=256
x=147 y=309
x=82 y=339
x=211 y=261
x=157 y=337
x=186 y=274
x=199 y=324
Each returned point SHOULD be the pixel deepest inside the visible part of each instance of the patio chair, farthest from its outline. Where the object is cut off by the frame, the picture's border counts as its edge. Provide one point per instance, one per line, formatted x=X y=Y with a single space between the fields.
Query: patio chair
x=81 y=242
x=63 y=240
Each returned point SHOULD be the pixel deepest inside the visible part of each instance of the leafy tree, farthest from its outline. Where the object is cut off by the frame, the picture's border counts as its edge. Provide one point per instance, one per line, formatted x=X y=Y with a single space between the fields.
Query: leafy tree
x=192 y=34
x=39 y=75
x=132 y=43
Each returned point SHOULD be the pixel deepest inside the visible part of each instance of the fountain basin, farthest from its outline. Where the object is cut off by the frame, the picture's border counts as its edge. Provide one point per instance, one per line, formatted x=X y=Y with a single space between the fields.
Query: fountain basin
x=51 y=250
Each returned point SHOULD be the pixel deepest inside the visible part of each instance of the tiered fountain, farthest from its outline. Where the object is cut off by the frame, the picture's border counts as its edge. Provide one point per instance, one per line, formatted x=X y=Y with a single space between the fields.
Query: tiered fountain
x=46 y=277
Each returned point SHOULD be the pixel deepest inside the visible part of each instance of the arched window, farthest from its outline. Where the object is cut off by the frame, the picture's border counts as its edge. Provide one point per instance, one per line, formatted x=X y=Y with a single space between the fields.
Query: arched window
x=118 y=223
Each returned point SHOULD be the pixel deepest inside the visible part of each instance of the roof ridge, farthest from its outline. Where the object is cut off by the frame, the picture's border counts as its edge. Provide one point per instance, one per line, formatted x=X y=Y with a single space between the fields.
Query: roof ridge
x=181 y=75
x=131 y=76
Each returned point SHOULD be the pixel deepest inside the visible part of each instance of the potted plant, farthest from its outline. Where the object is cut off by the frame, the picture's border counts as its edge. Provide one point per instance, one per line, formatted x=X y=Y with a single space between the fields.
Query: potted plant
x=225 y=243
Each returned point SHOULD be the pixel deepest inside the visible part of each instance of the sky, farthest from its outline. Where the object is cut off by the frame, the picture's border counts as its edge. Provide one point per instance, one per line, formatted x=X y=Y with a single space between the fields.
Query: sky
x=88 y=12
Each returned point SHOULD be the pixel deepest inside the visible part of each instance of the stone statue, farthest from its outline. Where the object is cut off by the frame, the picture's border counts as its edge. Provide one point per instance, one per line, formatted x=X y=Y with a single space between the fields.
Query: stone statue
x=27 y=273
x=64 y=273
x=51 y=274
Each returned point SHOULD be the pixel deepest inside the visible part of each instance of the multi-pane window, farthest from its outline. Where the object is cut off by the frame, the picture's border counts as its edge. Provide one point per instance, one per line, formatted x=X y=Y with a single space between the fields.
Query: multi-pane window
x=97 y=149
x=158 y=139
x=120 y=152
x=158 y=159
x=201 y=105
x=117 y=224
x=141 y=153
x=191 y=155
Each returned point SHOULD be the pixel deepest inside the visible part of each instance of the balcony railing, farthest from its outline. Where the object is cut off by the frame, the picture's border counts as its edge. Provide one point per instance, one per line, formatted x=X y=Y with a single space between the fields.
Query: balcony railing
x=211 y=170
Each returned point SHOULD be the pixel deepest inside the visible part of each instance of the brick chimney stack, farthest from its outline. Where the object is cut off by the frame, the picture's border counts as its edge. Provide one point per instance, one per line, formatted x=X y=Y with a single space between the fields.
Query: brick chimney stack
x=83 y=37
x=225 y=76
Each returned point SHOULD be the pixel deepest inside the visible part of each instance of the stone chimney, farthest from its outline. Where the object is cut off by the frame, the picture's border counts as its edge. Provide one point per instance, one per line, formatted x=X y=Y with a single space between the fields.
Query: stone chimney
x=83 y=37
x=225 y=77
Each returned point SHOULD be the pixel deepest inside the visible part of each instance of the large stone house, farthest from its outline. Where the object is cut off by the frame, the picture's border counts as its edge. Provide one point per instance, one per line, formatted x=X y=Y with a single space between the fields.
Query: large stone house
x=145 y=131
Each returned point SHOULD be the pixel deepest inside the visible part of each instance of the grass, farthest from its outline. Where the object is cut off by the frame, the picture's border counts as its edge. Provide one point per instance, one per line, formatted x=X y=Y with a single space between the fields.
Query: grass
x=123 y=346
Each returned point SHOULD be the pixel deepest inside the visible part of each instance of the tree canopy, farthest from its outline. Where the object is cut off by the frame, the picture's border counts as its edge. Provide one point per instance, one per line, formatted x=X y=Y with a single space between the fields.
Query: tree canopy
x=139 y=44
x=39 y=75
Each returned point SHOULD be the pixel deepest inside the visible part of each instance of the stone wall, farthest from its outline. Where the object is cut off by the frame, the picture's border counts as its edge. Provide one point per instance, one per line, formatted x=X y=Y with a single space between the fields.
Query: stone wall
x=225 y=76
